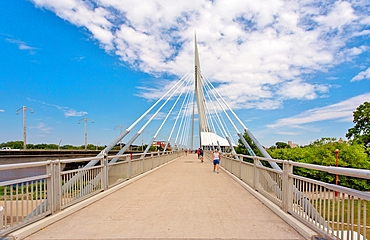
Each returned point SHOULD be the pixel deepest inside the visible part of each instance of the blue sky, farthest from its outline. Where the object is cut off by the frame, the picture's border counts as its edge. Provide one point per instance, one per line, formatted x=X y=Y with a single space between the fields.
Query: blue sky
x=291 y=70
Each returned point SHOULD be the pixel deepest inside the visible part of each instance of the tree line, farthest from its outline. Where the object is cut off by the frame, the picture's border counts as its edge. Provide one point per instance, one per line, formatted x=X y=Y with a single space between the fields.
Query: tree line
x=45 y=146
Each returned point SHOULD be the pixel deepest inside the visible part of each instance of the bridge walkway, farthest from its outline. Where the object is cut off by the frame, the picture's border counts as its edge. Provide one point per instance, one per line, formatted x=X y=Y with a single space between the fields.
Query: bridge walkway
x=184 y=199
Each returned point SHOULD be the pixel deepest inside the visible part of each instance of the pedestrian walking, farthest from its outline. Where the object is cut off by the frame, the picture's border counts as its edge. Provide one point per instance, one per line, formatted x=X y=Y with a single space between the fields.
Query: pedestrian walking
x=201 y=155
x=216 y=161
x=198 y=151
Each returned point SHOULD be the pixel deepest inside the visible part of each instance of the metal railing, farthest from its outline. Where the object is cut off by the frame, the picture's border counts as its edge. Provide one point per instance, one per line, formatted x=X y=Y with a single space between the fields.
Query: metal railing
x=26 y=200
x=335 y=211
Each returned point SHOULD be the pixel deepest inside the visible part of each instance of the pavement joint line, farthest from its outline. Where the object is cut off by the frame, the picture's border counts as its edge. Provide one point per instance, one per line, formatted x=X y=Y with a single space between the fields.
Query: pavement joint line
x=39 y=225
x=301 y=228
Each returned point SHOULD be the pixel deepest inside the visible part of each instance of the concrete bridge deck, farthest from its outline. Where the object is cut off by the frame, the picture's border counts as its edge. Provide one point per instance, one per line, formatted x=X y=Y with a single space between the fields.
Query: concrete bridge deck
x=184 y=199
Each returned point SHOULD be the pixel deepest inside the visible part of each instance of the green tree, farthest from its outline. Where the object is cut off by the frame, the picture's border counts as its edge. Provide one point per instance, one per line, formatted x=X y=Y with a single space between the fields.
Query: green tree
x=322 y=152
x=241 y=149
x=282 y=145
x=13 y=144
x=360 y=133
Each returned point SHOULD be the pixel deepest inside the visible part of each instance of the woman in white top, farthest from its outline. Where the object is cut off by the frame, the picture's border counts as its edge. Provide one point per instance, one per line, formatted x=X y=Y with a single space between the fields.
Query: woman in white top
x=216 y=160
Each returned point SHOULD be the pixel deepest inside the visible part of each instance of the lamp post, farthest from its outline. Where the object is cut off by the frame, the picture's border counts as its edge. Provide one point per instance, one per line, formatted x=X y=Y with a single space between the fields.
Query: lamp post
x=120 y=133
x=142 y=140
x=24 y=108
x=85 y=127
x=336 y=164
x=59 y=144
x=97 y=146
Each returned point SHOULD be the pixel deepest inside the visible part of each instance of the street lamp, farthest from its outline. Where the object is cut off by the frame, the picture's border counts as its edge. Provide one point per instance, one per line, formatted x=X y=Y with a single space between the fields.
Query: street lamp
x=59 y=144
x=97 y=146
x=85 y=124
x=120 y=133
x=24 y=108
x=142 y=140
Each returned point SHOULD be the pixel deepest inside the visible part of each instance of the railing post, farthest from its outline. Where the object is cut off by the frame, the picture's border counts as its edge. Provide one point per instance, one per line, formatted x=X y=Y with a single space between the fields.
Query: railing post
x=142 y=162
x=256 y=175
x=287 y=195
x=105 y=177
x=50 y=186
x=151 y=156
x=128 y=166
x=240 y=165
x=57 y=187
x=1 y=217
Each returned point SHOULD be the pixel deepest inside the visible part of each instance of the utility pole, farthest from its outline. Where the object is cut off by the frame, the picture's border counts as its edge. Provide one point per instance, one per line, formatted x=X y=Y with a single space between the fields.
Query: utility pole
x=120 y=133
x=24 y=108
x=85 y=124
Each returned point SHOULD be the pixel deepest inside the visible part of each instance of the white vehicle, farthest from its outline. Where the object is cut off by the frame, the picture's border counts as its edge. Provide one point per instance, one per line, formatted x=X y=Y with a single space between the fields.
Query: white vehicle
x=6 y=149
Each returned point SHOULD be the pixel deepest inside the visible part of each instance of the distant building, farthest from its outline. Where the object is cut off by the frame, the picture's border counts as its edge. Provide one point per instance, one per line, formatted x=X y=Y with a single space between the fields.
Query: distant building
x=161 y=144
x=292 y=145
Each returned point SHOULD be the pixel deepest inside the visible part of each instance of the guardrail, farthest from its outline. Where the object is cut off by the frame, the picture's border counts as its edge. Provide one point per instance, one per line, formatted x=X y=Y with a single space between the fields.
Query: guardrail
x=334 y=211
x=24 y=201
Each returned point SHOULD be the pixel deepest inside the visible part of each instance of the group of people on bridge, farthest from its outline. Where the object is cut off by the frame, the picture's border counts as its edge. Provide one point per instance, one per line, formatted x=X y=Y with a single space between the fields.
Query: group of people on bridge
x=216 y=158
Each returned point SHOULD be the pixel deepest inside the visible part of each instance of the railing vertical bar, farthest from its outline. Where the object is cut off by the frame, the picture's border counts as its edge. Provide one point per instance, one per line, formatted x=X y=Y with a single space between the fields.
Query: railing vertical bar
x=320 y=205
x=338 y=211
x=332 y=198
x=359 y=203
x=324 y=205
x=76 y=186
x=11 y=206
x=33 y=197
x=45 y=195
x=27 y=199
x=352 y=216
x=303 y=200
x=309 y=200
x=22 y=200
x=298 y=210
x=37 y=197
x=300 y=198
x=65 y=192
x=16 y=203
x=342 y=219
x=5 y=204
x=365 y=222
x=348 y=215
x=316 y=204
x=68 y=191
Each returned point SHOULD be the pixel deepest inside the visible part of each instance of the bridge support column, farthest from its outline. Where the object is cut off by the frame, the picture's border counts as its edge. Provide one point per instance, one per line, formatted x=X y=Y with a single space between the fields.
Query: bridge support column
x=287 y=197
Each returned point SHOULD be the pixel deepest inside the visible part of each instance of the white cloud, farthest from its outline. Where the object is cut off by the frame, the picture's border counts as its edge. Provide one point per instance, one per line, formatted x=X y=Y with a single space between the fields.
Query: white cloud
x=42 y=128
x=341 y=111
x=362 y=75
x=22 y=45
x=67 y=112
x=260 y=52
x=74 y=113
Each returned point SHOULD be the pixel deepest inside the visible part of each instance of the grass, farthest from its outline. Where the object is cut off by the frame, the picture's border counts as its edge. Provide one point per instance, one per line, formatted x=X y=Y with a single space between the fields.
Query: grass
x=339 y=210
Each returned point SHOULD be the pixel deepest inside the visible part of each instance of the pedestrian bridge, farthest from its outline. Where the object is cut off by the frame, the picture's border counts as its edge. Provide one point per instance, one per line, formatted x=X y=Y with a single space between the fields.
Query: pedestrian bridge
x=173 y=195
